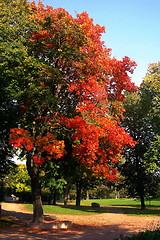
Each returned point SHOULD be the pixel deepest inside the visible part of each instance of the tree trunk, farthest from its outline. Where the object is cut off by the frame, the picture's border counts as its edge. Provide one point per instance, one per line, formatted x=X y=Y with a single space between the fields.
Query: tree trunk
x=37 y=202
x=143 y=206
x=66 y=196
x=87 y=195
x=33 y=170
x=78 y=197
x=54 y=197
x=1 y=194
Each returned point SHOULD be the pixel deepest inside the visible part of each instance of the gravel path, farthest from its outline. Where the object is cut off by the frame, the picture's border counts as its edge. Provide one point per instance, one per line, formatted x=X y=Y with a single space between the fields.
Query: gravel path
x=106 y=226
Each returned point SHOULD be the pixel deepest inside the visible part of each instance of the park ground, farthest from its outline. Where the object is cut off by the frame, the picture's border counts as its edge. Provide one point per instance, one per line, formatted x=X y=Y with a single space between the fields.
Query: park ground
x=105 y=226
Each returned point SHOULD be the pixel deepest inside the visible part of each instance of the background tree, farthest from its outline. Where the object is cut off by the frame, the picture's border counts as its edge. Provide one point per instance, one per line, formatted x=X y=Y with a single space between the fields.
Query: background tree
x=73 y=90
x=53 y=180
x=14 y=25
x=18 y=180
x=152 y=156
x=142 y=118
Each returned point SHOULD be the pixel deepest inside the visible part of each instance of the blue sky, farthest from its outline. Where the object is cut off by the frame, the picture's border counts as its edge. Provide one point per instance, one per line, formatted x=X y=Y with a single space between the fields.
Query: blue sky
x=132 y=27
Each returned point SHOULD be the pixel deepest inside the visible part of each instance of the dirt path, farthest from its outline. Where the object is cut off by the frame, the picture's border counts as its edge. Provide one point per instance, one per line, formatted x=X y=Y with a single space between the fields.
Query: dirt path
x=106 y=226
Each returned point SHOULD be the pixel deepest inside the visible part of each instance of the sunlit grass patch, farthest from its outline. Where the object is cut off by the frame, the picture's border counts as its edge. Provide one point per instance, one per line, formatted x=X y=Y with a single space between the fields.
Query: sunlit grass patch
x=113 y=202
x=70 y=209
x=130 y=207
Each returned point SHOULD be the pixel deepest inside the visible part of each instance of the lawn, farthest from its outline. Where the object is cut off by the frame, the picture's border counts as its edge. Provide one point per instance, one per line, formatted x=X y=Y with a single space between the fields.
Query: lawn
x=131 y=207
x=122 y=202
x=70 y=209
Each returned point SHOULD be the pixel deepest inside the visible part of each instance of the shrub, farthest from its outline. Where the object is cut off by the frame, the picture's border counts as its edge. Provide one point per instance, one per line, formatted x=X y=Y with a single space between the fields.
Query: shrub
x=147 y=235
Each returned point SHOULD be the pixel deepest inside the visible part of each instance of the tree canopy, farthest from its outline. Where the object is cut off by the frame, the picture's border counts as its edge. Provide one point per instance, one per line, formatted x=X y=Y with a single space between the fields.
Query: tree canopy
x=78 y=86
x=69 y=89
x=142 y=118
x=13 y=53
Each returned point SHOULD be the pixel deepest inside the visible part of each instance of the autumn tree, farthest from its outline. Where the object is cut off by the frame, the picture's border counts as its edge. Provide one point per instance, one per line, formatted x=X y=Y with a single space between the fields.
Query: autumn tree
x=74 y=95
x=142 y=118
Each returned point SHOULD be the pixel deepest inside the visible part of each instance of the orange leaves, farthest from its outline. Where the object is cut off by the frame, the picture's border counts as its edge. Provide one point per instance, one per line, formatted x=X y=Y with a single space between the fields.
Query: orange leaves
x=42 y=141
x=21 y=138
x=56 y=150
x=91 y=30
x=46 y=145
x=38 y=159
x=59 y=31
x=98 y=143
x=81 y=80
x=49 y=144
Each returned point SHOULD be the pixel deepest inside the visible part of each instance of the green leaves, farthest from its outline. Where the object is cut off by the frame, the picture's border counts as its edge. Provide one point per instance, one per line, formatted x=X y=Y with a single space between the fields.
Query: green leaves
x=142 y=121
x=152 y=156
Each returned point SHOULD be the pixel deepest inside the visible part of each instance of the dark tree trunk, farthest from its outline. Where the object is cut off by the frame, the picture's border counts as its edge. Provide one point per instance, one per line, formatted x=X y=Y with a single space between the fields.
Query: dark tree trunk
x=140 y=183
x=78 y=196
x=37 y=202
x=54 y=197
x=1 y=194
x=143 y=206
x=66 y=195
x=33 y=170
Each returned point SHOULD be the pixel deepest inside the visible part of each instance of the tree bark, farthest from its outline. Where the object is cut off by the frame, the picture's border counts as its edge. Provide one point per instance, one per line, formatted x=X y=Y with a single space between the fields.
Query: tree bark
x=87 y=195
x=1 y=194
x=79 y=190
x=33 y=170
x=143 y=206
x=37 y=202
x=66 y=196
x=54 y=197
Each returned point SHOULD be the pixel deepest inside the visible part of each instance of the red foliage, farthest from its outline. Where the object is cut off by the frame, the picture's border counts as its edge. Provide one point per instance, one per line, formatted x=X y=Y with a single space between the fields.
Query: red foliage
x=100 y=145
x=20 y=138
x=46 y=145
x=93 y=77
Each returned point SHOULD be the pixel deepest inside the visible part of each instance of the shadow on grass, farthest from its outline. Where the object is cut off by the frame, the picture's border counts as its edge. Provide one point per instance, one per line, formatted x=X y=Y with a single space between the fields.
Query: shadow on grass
x=137 y=211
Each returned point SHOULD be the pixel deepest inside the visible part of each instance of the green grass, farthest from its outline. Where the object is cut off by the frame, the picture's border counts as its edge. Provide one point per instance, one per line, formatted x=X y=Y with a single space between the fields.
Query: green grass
x=122 y=202
x=130 y=207
x=112 y=202
x=70 y=209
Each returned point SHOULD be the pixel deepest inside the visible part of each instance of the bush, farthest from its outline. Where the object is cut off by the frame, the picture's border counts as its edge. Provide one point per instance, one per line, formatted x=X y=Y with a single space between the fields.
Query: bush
x=147 y=235
x=6 y=221
x=24 y=197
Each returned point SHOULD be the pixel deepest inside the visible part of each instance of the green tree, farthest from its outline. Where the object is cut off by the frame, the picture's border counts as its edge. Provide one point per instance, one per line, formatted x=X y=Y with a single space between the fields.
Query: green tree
x=14 y=25
x=52 y=180
x=152 y=156
x=16 y=66
x=142 y=118
x=18 y=180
